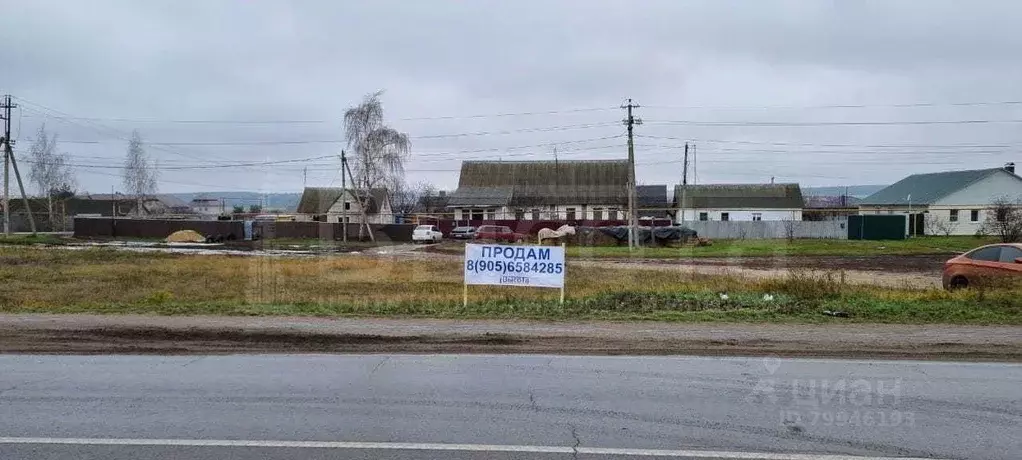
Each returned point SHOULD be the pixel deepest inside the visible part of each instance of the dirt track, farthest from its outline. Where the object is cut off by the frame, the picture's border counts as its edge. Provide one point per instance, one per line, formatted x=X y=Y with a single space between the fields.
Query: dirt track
x=133 y=334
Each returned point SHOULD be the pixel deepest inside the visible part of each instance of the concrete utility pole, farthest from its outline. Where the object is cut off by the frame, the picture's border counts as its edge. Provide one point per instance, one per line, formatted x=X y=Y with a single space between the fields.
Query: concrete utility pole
x=10 y=162
x=344 y=196
x=684 y=184
x=630 y=122
x=7 y=179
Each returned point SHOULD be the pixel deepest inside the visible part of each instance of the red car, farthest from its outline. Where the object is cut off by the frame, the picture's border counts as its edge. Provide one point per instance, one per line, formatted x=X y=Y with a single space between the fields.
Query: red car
x=498 y=233
x=983 y=265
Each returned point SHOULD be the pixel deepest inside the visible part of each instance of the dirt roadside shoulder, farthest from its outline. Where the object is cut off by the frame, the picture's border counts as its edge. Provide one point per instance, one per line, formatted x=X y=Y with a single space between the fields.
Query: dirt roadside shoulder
x=135 y=334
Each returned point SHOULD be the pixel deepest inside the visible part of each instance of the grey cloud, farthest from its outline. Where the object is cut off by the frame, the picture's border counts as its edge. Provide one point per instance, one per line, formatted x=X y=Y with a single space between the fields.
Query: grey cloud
x=310 y=60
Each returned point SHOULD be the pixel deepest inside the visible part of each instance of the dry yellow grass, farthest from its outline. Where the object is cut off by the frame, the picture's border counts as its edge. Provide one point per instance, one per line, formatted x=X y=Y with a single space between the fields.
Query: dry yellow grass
x=111 y=281
x=42 y=278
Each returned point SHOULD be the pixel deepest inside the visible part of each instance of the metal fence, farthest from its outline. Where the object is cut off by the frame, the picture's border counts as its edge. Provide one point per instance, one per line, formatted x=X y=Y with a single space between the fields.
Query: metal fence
x=740 y=230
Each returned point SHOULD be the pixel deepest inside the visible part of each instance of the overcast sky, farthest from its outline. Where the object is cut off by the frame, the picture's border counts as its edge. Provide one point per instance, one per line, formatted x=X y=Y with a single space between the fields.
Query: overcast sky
x=93 y=71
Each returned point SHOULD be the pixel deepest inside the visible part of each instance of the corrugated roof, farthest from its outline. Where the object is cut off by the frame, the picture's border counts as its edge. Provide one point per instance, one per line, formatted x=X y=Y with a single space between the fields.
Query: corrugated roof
x=736 y=196
x=926 y=188
x=535 y=183
x=318 y=200
x=480 y=196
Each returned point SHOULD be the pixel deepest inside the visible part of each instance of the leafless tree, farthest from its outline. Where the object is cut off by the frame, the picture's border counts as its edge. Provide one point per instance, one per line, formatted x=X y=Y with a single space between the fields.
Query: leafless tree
x=421 y=196
x=939 y=225
x=429 y=196
x=379 y=150
x=1004 y=219
x=790 y=228
x=140 y=174
x=51 y=173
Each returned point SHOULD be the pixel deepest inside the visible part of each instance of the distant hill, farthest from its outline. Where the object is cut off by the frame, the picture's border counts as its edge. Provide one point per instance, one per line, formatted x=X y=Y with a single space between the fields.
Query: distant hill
x=858 y=191
x=285 y=201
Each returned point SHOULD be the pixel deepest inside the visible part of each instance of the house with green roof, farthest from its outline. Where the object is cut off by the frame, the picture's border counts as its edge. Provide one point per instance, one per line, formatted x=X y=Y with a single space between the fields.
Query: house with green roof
x=952 y=202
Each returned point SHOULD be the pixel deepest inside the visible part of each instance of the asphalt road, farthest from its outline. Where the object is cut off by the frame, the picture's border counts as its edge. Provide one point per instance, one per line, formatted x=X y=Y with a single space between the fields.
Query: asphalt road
x=479 y=406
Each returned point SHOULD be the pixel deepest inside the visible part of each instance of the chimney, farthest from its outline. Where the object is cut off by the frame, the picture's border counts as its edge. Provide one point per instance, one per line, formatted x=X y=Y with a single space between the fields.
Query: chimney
x=1010 y=167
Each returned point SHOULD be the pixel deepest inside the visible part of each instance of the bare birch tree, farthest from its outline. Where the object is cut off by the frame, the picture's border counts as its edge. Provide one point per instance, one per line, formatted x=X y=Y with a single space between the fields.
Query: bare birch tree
x=50 y=173
x=140 y=174
x=1004 y=219
x=379 y=151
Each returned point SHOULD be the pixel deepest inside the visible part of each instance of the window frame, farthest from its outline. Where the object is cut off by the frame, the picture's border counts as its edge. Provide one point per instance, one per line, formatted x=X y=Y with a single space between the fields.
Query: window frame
x=757 y=217
x=704 y=216
x=1005 y=249
x=970 y=254
x=974 y=215
x=725 y=217
x=952 y=215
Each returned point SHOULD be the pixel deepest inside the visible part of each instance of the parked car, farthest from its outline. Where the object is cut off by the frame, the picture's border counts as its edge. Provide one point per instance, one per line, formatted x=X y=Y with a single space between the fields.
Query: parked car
x=498 y=233
x=984 y=265
x=427 y=234
x=463 y=233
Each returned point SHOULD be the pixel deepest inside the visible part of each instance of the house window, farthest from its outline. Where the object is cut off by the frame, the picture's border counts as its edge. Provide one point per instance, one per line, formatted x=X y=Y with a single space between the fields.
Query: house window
x=953 y=217
x=489 y=214
x=724 y=217
x=570 y=212
x=519 y=214
x=597 y=213
x=612 y=213
x=974 y=215
x=535 y=214
x=757 y=216
x=347 y=206
x=704 y=216
x=477 y=214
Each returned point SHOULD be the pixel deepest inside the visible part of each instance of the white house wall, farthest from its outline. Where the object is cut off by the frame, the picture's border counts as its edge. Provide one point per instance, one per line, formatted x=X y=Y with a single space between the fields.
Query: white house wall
x=354 y=212
x=986 y=191
x=558 y=212
x=744 y=214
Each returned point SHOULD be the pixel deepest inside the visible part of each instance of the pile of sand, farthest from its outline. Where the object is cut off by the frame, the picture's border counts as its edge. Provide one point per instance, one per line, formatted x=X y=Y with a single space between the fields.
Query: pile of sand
x=186 y=236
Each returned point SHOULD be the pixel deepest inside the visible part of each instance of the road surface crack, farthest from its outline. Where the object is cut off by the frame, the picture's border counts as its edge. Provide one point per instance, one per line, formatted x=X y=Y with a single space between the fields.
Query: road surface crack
x=378 y=365
x=532 y=401
x=578 y=441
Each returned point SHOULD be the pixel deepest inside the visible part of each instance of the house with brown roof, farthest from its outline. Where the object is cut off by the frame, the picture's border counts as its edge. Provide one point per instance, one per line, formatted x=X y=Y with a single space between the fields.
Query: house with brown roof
x=334 y=204
x=541 y=190
x=737 y=202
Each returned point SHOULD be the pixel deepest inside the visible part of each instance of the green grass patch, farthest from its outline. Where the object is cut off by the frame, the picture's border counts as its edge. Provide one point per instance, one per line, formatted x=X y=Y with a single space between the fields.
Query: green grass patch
x=25 y=240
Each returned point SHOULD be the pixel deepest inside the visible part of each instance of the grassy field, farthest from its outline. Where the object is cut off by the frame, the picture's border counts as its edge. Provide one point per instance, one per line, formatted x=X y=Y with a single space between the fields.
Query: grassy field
x=806 y=247
x=36 y=280
x=21 y=240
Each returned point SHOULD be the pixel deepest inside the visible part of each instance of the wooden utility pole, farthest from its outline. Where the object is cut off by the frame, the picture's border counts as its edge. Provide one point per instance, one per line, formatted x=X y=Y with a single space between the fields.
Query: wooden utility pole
x=684 y=184
x=10 y=162
x=630 y=122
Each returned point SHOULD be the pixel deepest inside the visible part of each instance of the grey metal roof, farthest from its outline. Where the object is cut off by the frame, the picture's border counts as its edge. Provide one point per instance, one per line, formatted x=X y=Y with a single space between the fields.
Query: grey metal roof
x=651 y=196
x=480 y=196
x=543 y=183
x=740 y=196
x=925 y=189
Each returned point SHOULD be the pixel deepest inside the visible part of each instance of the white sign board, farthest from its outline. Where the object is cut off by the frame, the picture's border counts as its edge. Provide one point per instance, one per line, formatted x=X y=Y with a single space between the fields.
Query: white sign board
x=501 y=265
